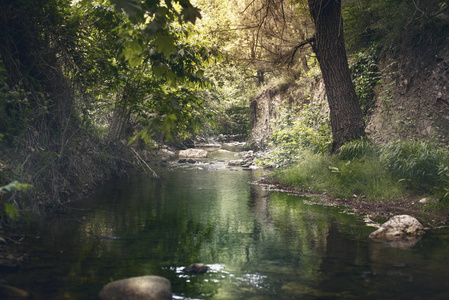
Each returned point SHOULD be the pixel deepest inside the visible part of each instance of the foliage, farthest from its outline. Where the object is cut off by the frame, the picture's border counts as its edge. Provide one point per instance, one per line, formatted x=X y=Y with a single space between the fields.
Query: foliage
x=307 y=129
x=10 y=210
x=360 y=177
x=419 y=165
x=154 y=71
x=373 y=172
x=228 y=99
x=390 y=22
x=72 y=70
x=365 y=76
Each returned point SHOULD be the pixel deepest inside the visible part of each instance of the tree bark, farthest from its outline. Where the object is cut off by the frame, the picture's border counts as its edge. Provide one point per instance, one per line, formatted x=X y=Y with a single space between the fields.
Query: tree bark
x=345 y=113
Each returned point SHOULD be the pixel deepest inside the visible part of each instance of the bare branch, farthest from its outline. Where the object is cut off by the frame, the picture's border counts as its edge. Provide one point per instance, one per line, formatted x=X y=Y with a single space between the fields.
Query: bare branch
x=309 y=41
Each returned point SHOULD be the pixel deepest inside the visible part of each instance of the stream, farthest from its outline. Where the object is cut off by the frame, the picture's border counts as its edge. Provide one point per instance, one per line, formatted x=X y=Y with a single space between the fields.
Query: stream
x=259 y=244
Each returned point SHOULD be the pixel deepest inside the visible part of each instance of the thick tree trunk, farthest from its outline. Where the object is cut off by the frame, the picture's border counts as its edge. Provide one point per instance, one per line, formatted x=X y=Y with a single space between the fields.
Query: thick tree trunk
x=345 y=113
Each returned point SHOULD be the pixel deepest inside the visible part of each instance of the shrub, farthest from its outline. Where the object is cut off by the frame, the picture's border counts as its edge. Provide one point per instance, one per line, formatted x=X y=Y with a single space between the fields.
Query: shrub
x=307 y=130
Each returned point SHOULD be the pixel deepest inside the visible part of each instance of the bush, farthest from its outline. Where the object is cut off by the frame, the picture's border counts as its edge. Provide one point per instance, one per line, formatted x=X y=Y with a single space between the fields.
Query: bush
x=306 y=130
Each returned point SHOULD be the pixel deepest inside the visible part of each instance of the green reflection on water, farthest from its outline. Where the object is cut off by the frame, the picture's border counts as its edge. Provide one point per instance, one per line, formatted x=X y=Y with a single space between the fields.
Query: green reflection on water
x=259 y=244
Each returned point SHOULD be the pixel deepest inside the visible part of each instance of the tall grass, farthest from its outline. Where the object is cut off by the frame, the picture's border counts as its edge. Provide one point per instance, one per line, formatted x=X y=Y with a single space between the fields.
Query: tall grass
x=373 y=172
x=416 y=164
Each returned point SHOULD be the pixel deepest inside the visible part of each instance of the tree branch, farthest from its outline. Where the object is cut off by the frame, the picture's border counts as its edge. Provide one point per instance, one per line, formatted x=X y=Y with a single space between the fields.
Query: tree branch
x=309 y=41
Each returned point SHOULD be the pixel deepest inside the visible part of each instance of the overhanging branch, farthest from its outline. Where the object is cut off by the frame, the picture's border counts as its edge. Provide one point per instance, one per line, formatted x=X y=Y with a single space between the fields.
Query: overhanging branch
x=310 y=41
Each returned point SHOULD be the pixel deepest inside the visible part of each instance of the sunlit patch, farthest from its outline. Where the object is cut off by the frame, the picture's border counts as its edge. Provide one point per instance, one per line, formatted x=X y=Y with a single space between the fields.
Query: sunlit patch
x=216 y=268
x=254 y=280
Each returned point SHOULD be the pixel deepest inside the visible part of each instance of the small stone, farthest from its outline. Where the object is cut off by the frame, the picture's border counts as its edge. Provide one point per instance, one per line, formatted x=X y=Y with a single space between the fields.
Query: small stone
x=197 y=268
x=423 y=200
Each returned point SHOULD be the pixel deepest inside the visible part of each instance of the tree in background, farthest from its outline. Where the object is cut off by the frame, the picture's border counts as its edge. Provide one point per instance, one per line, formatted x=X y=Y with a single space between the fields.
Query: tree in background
x=280 y=28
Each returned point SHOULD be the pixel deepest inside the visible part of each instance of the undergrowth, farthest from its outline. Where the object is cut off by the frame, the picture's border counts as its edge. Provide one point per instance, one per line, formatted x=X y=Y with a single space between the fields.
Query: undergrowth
x=371 y=172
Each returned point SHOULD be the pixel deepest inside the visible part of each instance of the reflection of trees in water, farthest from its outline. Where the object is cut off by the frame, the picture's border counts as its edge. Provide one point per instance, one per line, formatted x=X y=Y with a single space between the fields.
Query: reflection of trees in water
x=302 y=230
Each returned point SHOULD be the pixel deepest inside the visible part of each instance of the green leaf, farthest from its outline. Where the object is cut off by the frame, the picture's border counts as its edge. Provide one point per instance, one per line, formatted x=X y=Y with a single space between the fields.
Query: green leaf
x=15 y=186
x=190 y=14
x=11 y=211
x=130 y=7
x=165 y=44
x=132 y=53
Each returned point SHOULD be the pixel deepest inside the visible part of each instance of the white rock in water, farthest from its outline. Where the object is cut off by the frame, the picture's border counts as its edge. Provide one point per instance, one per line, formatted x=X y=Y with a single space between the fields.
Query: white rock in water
x=398 y=227
x=193 y=153
x=137 y=288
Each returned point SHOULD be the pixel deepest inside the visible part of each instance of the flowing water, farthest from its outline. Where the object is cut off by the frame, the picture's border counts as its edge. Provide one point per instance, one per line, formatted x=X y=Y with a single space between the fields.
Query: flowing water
x=258 y=244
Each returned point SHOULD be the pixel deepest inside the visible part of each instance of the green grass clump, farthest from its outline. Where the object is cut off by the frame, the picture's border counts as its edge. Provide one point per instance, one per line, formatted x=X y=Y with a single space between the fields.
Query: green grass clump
x=373 y=172
x=365 y=177
x=419 y=166
x=357 y=149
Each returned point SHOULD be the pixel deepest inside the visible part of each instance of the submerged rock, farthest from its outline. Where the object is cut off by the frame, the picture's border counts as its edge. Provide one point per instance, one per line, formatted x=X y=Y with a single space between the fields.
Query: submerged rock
x=10 y=292
x=402 y=226
x=193 y=153
x=137 y=288
x=197 y=268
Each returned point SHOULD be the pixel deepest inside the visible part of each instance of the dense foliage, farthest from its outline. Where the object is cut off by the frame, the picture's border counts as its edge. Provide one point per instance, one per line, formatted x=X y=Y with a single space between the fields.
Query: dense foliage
x=80 y=78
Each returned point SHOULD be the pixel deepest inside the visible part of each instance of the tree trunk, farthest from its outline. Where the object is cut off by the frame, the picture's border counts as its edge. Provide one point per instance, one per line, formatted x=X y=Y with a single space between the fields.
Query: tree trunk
x=345 y=113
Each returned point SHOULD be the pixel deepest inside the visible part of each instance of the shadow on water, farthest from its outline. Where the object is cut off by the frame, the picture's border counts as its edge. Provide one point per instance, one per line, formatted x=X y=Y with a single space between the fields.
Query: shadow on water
x=258 y=244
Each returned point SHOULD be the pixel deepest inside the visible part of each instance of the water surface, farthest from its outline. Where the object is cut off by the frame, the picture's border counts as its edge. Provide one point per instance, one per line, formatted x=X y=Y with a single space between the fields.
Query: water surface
x=258 y=244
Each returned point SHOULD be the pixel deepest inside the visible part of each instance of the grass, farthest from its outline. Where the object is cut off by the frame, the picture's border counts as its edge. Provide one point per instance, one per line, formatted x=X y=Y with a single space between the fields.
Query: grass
x=373 y=172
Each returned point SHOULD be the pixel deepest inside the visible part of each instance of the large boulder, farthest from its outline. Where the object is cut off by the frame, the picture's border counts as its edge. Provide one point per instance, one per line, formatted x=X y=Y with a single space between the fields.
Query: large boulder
x=402 y=226
x=137 y=288
x=193 y=153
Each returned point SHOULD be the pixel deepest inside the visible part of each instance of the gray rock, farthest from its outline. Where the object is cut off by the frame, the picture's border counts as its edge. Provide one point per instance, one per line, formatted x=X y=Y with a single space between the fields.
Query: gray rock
x=193 y=153
x=197 y=268
x=236 y=162
x=398 y=227
x=137 y=288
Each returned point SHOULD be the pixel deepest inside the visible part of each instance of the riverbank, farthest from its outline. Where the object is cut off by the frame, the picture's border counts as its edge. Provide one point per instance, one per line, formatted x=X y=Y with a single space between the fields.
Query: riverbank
x=380 y=210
